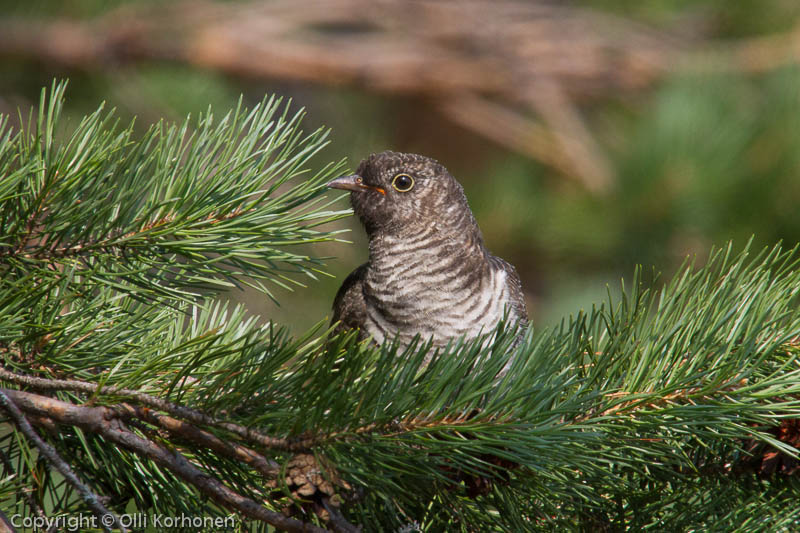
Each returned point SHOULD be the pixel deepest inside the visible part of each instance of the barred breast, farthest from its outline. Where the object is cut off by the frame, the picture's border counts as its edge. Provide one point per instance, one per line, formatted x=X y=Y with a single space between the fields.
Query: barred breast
x=436 y=285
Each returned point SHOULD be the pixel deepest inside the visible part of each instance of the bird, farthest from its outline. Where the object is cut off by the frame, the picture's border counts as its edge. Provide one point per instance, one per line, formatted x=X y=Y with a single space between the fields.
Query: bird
x=429 y=274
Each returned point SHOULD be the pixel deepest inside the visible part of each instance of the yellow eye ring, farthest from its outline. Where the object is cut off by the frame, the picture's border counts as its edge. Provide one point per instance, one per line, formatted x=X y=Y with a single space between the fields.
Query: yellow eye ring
x=403 y=183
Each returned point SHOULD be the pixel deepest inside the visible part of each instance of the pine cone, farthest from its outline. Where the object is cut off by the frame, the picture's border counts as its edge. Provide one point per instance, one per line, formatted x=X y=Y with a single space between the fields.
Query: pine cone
x=776 y=461
x=309 y=483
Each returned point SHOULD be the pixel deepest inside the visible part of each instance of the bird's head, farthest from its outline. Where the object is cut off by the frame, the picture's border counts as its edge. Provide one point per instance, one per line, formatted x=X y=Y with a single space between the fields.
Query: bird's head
x=391 y=191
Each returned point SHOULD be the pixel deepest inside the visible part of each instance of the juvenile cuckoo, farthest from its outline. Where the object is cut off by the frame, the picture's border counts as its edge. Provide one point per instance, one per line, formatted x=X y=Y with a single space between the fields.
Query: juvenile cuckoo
x=428 y=272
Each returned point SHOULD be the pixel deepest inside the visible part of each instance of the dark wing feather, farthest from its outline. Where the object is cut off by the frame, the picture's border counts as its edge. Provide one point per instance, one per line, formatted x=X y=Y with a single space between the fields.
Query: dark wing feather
x=515 y=288
x=349 y=306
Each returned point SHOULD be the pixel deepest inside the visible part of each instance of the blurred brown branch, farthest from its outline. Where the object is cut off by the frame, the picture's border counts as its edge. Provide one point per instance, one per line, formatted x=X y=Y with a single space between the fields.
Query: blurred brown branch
x=510 y=71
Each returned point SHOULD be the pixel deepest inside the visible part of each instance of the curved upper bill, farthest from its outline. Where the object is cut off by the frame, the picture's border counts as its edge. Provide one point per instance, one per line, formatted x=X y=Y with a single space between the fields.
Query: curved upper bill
x=353 y=182
x=348 y=183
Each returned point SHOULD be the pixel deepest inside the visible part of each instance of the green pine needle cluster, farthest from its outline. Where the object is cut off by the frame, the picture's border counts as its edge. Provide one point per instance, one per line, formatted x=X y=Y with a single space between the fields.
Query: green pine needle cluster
x=218 y=194
x=657 y=411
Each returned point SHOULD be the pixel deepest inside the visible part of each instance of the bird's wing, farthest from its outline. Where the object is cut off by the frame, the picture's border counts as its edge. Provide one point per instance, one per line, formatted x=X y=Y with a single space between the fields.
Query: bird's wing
x=349 y=306
x=515 y=290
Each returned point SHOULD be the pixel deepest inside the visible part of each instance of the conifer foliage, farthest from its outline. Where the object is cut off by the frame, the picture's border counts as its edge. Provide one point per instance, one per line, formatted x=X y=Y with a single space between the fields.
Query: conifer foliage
x=128 y=386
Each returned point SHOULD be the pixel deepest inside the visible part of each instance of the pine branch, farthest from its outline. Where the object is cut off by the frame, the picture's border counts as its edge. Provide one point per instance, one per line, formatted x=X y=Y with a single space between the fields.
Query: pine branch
x=104 y=422
x=192 y=415
x=100 y=230
x=183 y=430
x=691 y=388
x=52 y=456
x=33 y=505
x=198 y=207
x=445 y=422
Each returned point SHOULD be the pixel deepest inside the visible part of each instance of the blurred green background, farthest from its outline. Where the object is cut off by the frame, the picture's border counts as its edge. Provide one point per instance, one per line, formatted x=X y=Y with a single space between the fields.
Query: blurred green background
x=704 y=150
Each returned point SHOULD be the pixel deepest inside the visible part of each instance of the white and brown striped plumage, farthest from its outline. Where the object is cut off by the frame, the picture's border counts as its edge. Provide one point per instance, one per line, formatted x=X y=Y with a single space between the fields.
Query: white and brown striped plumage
x=428 y=272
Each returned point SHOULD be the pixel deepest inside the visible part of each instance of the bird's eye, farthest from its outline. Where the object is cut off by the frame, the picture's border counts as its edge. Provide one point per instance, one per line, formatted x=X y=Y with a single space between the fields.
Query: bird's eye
x=403 y=183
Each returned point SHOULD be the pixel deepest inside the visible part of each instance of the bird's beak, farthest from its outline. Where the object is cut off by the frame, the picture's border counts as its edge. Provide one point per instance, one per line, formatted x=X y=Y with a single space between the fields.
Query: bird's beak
x=353 y=183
